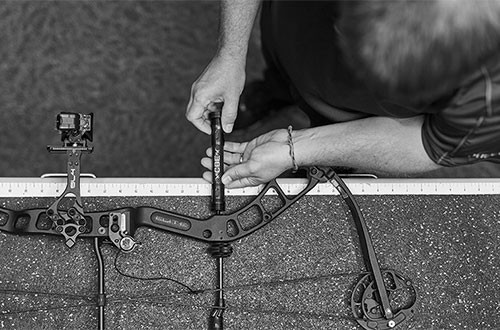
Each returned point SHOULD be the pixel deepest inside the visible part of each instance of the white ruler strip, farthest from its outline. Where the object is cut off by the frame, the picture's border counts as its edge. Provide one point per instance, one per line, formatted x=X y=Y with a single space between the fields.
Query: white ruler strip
x=53 y=187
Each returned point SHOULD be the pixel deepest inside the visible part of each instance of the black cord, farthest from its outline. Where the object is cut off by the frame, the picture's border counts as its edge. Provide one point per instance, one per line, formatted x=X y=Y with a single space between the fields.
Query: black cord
x=296 y=313
x=159 y=278
x=37 y=310
x=162 y=300
x=40 y=293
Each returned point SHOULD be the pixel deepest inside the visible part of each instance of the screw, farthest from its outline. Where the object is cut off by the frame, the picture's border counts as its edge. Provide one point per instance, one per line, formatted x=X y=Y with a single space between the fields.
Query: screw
x=127 y=244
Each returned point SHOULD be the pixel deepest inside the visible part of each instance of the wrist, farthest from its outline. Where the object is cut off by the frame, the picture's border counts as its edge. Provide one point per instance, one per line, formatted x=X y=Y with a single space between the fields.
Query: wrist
x=235 y=54
x=302 y=145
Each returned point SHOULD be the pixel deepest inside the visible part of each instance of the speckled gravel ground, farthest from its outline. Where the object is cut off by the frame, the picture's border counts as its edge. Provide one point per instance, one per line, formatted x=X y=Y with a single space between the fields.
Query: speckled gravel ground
x=296 y=273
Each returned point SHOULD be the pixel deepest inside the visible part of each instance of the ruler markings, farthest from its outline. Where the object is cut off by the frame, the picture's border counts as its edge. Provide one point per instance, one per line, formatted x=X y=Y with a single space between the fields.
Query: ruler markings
x=52 y=187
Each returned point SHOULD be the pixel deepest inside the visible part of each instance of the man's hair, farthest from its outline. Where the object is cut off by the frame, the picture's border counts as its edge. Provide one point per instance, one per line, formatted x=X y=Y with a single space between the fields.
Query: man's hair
x=418 y=49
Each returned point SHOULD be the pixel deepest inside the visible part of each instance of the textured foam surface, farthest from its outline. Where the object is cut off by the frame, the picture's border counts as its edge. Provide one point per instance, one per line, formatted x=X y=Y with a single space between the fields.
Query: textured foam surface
x=296 y=273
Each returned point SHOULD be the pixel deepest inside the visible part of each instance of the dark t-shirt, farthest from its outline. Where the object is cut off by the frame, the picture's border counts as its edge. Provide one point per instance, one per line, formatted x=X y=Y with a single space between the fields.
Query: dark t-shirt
x=461 y=127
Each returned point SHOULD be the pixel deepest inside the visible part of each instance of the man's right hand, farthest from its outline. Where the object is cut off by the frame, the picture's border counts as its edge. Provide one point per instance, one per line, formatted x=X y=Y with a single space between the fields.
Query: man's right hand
x=221 y=81
x=224 y=78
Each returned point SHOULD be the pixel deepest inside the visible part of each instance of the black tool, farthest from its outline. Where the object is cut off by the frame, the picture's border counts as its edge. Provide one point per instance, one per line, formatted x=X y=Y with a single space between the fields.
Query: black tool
x=218 y=205
x=218 y=199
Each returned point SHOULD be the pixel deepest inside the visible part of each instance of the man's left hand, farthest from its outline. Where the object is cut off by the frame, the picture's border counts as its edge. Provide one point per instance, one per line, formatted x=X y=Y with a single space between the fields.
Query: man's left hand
x=255 y=162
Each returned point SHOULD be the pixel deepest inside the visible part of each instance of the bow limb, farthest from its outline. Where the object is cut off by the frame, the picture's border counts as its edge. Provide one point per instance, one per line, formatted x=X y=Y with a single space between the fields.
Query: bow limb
x=223 y=227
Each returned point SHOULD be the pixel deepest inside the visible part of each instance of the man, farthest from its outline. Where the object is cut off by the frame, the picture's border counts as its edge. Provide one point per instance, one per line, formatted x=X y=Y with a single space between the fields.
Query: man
x=400 y=87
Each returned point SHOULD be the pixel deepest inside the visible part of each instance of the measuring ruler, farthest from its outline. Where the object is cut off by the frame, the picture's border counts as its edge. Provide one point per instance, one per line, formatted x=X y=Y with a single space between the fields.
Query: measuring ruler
x=107 y=187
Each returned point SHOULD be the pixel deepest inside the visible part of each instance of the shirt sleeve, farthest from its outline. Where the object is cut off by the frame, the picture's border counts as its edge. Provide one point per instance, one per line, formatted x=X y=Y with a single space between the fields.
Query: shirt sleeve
x=467 y=130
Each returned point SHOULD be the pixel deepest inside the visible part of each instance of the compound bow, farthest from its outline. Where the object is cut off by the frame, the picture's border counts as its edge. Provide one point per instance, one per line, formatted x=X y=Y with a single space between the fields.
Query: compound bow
x=371 y=296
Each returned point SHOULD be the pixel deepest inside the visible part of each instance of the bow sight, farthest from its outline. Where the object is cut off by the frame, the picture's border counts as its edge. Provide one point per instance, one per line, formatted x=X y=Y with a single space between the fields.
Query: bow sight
x=75 y=130
x=381 y=299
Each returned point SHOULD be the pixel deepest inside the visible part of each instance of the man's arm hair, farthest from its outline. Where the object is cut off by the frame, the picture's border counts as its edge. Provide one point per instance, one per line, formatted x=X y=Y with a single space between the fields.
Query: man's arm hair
x=376 y=144
x=224 y=77
x=236 y=22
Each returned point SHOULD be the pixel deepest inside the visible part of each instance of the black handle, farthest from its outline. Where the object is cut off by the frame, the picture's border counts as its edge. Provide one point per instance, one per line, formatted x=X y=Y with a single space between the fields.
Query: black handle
x=218 y=199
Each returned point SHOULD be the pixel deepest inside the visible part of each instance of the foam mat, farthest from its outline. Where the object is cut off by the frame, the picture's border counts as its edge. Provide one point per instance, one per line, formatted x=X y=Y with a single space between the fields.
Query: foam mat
x=295 y=273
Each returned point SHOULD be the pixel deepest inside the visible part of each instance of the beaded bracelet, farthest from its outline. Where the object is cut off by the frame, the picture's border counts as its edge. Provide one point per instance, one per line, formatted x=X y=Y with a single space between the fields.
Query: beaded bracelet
x=292 y=153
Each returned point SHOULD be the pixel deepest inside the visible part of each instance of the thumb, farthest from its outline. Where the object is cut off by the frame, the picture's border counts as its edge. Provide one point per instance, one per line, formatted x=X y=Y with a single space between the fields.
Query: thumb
x=237 y=176
x=229 y=113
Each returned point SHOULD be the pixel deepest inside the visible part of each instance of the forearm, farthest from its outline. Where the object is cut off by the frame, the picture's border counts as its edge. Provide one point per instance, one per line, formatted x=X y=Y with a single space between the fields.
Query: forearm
x=375 y=144
x=236 y=22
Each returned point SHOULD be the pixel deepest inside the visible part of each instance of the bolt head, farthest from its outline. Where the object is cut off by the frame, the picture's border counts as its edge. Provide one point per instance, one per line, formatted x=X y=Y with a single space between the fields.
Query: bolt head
x=127 y=244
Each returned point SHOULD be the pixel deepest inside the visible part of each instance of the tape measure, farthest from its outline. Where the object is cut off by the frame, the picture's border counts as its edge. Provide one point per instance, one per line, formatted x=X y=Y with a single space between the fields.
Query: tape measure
x=122 y=187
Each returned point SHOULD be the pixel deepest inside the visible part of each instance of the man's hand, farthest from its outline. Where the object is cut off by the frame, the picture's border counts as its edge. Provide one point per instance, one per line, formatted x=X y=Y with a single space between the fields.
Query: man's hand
x=262 y=159
x=379 y=145
x=224 y=78
x=222 y=81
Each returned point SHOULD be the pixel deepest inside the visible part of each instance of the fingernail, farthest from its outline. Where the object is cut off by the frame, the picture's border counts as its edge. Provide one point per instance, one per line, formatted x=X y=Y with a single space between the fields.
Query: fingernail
x=228 y=128
x=226 y=179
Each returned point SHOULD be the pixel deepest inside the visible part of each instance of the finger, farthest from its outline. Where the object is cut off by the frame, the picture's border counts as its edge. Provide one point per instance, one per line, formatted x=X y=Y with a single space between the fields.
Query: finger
x=241 y=183
x=232 y=158
x=235 y=173
x=236 y=147
x=229 y=157
x=206 y=163
x=196 y=114
x=207 y=176
x=229 y=113
x=215 y=106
